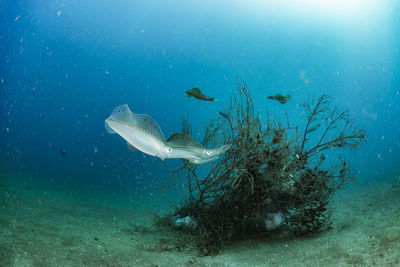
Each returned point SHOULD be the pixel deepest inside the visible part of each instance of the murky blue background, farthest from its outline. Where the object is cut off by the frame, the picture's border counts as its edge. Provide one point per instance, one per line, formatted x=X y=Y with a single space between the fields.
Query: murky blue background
x=66 y=64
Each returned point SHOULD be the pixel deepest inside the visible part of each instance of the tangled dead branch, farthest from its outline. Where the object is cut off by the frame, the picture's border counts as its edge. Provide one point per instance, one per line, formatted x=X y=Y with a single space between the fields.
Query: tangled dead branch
x=270 y=172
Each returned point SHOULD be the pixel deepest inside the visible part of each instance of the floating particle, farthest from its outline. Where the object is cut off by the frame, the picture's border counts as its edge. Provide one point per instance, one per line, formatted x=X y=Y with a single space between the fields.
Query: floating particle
x=58 y=13
x=302 y=74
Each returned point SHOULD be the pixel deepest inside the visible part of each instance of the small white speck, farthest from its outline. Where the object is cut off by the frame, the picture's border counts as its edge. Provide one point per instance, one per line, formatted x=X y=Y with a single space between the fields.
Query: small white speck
x=17 y=18
x=107 y=72
x=58 y=13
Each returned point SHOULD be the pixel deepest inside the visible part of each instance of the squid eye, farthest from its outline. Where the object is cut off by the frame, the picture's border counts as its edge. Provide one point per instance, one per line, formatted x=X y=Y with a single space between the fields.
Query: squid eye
x=169 y=149
x=209 y=153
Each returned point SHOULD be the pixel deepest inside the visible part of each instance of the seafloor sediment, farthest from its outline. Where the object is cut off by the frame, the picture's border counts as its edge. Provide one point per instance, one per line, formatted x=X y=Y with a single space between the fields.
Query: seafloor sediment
x=61 y=228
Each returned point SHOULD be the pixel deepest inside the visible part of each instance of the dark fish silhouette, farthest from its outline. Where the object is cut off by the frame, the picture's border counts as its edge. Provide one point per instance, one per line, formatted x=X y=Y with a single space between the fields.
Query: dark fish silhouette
x=196 y=93
x=223 y=115
x=63 y=152
x=282 y=99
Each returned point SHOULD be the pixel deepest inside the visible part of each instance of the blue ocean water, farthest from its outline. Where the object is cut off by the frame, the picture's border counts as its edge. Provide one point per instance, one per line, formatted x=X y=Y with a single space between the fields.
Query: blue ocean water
x=65 y=65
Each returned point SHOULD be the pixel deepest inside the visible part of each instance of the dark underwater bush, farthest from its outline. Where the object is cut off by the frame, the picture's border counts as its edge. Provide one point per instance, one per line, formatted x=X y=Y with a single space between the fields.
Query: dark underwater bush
x=274 y=178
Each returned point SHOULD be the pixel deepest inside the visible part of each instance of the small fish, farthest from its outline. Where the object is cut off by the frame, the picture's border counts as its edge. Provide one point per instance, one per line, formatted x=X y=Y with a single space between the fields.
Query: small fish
x=63 y=152
x=196 y=93
x=223 y=115
x=282 y=99
x=312 y=129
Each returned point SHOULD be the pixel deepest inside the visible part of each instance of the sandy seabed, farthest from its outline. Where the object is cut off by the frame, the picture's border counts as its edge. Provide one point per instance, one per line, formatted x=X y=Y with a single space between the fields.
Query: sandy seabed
x=59 y=228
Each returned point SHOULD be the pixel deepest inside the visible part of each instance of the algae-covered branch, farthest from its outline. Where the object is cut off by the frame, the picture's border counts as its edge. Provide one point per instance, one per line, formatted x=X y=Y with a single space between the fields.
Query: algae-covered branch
x=274 y=178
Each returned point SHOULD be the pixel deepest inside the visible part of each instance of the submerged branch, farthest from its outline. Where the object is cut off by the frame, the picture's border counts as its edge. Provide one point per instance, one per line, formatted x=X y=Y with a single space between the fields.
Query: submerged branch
x=266 y=171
